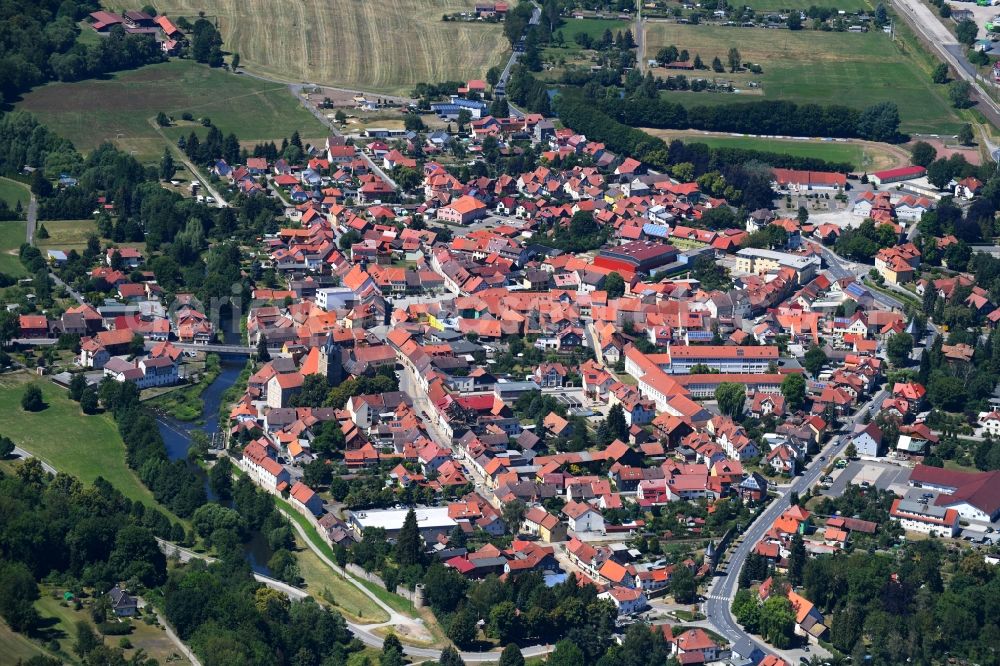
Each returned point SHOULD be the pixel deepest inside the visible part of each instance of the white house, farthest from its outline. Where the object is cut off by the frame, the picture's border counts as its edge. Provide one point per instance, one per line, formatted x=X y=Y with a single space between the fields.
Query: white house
x=263 y=469
x=626 y=600
x=925 y=518
x=867 y=440
x=990 y=423
x=583 y=517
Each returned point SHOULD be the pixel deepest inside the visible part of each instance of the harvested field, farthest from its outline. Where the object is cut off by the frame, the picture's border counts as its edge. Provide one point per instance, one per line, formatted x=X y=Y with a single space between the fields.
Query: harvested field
x=379 y=45
x=119 y=108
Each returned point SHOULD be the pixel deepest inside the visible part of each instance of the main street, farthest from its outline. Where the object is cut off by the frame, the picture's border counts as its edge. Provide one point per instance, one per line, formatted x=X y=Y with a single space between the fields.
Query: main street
x=720 y=596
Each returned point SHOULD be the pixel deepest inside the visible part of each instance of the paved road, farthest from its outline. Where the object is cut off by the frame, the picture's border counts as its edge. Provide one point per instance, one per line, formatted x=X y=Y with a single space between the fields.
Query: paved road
x=515 y=55
x=32 y=219
x=929 y=26
x=640 y=38
x=77 y=296
x=841 y=268
x=724 y=588
x=21 y=453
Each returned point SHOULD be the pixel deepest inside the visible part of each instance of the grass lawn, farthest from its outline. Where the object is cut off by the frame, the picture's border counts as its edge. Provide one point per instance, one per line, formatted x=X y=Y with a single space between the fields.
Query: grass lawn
x=590 y=26
x=856 y=69
x=354 y=601
x=119 y=108
x=66 y=235
x=379 y=45
x=84 y=446
x=12 y=234
x=62 y=621
x=826 y=150
x=185 y=404
x=331 y=589
x=12 y=191
x=17 y=647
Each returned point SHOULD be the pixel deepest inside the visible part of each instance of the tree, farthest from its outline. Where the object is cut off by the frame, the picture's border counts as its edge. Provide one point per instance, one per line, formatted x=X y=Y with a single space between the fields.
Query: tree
x=965 y=136
x=220 y=478
x=922 y=154
x=898 y=348
x=794 y=20
x=881 y=15
x=777 y=621
x=959 y=93
x=40 y=185
x=86 y=639
x=966 y=31
x=793 y=388
x=263 y=355
x=566 y=653
x=409 y=547
x=450 y=657
x=939 y=173
x=814 y=360
x=717 y=65
x=505 y=624
x=616 y=425
x=462 y=630
x=940 y=74
x=879 y=122
x=235 y=63
x=731 y=397
x=162 y=119
x=511 y=656
x=18 y=591
x=851 y=452
x=167 y=167
x=683 y=586
x=614 y=284
x=32 y=400
x=512 y=515
x=735 y=60
x=317 y=473
x=796 y=560
x=88 y=401
x=802 y=215
x=6 y=447
x=392 y=652
x=77 y=386
x=43 y=233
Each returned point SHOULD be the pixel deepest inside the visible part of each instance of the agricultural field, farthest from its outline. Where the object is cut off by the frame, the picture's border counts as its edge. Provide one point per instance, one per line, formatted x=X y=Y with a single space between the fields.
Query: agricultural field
x=380 y=45
x=62 y=435
x=864 y=155
x=12 y=191
x=120 y=108
x=857 y=69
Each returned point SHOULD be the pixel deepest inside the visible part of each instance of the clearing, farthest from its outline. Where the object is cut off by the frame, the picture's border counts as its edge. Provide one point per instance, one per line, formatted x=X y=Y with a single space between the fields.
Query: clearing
x=119 y=108
x=380 y=45
x=66 y=235
x=807 y=66
x=72 y=442
x=864 y=155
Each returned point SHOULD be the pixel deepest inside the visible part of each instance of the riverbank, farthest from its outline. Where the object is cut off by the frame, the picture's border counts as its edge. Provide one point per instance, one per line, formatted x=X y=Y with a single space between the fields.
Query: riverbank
x=186 y=404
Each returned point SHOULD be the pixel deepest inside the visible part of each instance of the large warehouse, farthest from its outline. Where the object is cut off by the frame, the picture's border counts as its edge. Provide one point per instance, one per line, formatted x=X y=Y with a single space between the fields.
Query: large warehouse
x=636 y=257
x=431 y=521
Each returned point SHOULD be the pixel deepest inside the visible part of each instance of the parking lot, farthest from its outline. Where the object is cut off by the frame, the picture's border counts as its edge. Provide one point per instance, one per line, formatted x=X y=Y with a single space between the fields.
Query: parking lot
x=859 y=472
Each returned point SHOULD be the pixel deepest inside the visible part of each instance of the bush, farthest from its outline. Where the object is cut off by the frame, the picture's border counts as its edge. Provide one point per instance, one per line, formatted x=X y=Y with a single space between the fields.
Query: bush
x=32 y=400
x=115 y=628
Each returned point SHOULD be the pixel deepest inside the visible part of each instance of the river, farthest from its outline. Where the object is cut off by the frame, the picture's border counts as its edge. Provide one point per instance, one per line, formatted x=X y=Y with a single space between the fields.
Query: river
x=177 y=438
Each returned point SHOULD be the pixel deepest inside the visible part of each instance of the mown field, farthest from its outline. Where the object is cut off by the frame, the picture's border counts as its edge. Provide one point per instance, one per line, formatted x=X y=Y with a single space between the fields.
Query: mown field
x=119 y=108
x=379 y=45
x=819 y=67
x=62 y=435
x=12 y=191
x=66 y=235
x=12 y=234
x=863 y=155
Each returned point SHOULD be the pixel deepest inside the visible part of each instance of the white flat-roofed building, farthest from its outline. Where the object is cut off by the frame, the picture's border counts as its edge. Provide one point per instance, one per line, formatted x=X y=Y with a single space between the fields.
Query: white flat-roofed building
x=431 y=521
x=757 y=262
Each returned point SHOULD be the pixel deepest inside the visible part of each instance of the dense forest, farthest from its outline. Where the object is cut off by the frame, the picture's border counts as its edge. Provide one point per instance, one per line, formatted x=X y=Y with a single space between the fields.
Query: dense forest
x=38 y=43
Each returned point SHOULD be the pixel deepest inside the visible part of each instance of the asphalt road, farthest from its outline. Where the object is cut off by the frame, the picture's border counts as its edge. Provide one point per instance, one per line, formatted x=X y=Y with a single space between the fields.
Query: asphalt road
x=720 y=596
x=32 y=219
x=841 y=268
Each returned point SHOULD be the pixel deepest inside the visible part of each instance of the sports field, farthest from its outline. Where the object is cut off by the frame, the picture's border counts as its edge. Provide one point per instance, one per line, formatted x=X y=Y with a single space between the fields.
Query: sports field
x=863 y=155
x=119 y=108
x=377 y=45
x=818 y=67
